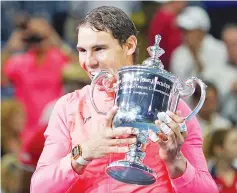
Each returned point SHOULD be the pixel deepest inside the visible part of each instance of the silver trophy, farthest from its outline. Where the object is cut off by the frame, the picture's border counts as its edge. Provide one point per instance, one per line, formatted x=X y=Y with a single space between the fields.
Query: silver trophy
x=142 y=91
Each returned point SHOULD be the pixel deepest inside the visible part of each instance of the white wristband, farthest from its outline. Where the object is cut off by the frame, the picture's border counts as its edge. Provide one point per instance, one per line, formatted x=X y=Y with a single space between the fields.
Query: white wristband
x=82 y=161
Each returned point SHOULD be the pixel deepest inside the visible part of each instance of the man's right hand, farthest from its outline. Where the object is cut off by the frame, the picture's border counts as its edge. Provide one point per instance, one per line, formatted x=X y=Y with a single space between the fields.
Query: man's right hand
x=108 y=140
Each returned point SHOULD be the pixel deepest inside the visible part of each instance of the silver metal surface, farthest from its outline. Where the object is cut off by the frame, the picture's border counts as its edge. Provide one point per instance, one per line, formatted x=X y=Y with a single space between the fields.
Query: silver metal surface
x=131 y=172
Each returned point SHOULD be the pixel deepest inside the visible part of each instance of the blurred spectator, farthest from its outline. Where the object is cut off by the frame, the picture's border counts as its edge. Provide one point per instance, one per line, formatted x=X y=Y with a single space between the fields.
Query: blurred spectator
x=164 y=24
x=37 y=73
x=200 y=53
x=228 y=84
x=228 y=71
x=29 y=154
x=229 y=35
x=53 y=11
x=13 y=46
x=74 y=78
x=10 y=174
x=225 y=76
x=220 y=147
x=15 y=43
x=221 y=13
x=12 y=122
x=208 y=116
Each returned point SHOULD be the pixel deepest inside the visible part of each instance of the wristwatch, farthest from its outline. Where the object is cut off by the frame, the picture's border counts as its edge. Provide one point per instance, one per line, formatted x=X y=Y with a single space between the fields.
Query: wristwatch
x=77 y=155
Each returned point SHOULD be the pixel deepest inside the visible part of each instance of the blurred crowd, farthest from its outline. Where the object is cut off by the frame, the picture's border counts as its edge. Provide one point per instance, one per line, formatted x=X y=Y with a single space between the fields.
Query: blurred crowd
x=39 y=64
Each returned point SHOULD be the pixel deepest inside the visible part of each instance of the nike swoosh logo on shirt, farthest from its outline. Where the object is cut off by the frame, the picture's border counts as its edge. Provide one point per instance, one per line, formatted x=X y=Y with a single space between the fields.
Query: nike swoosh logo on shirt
x=86 y=119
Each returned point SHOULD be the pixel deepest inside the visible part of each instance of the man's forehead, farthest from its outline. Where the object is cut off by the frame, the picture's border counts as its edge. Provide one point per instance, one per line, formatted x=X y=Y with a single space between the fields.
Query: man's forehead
x=88 y=36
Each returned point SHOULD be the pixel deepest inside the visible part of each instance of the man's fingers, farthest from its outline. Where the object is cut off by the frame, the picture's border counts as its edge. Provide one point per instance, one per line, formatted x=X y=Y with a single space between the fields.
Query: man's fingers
x=117 y=149
x=171 y=131
x=176 y=130
x=109 y=116
x=178 y=126
x=163 y=127
x=176 y=117
x=117 y=132
x=122 y=141
x=174 y=122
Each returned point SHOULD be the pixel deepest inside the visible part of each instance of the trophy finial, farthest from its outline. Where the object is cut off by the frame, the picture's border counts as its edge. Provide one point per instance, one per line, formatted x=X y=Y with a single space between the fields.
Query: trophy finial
x=155 y=52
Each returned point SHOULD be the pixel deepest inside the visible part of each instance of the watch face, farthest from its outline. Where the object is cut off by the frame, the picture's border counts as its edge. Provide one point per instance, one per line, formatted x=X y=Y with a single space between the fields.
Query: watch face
x=76 y=151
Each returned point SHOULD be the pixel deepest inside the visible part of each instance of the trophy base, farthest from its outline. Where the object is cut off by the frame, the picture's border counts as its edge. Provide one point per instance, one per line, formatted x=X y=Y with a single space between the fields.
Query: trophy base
x=131 y=173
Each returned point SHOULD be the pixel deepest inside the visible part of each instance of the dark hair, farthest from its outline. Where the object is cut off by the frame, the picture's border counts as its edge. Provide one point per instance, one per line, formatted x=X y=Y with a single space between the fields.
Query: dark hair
x=109 y=18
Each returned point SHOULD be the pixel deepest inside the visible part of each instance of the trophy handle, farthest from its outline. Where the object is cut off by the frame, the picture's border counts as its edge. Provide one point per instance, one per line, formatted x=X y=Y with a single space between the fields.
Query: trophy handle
x=187 y=88
x=101 y=76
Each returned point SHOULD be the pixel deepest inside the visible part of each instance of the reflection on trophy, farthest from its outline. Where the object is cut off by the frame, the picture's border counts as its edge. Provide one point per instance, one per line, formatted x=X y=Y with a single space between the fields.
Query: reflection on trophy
x=142 y=91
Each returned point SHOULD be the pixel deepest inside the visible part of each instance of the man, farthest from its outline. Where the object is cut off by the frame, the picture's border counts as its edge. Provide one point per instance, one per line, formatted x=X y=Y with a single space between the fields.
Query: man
x=200 y=54
x=107 y=40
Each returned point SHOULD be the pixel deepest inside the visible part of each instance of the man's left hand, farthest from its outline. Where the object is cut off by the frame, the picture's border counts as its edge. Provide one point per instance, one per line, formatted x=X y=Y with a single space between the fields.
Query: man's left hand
x=171 y=138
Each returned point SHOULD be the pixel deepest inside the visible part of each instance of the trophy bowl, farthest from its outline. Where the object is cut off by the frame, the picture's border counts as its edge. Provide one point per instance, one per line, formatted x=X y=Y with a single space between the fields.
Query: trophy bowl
x=142 y=91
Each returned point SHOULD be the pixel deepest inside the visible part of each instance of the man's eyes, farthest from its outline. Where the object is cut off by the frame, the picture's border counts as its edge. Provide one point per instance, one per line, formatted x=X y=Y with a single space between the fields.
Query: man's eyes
x=99 y=49
x=81 y=50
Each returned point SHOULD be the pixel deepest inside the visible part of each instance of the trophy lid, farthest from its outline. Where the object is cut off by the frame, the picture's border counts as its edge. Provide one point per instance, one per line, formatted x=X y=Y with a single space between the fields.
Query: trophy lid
x=154 y=62
x=155 y=52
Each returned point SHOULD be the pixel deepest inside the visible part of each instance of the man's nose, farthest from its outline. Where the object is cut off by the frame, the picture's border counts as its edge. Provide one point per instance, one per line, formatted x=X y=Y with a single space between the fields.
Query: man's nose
x=91 y=61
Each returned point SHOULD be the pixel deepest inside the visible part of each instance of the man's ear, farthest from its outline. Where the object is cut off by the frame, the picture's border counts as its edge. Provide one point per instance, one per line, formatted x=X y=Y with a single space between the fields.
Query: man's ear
x=130 y=45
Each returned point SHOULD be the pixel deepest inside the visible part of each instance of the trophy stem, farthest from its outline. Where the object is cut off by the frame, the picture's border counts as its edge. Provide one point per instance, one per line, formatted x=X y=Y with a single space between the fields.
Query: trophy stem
x=136 y=153
x=131 y=170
